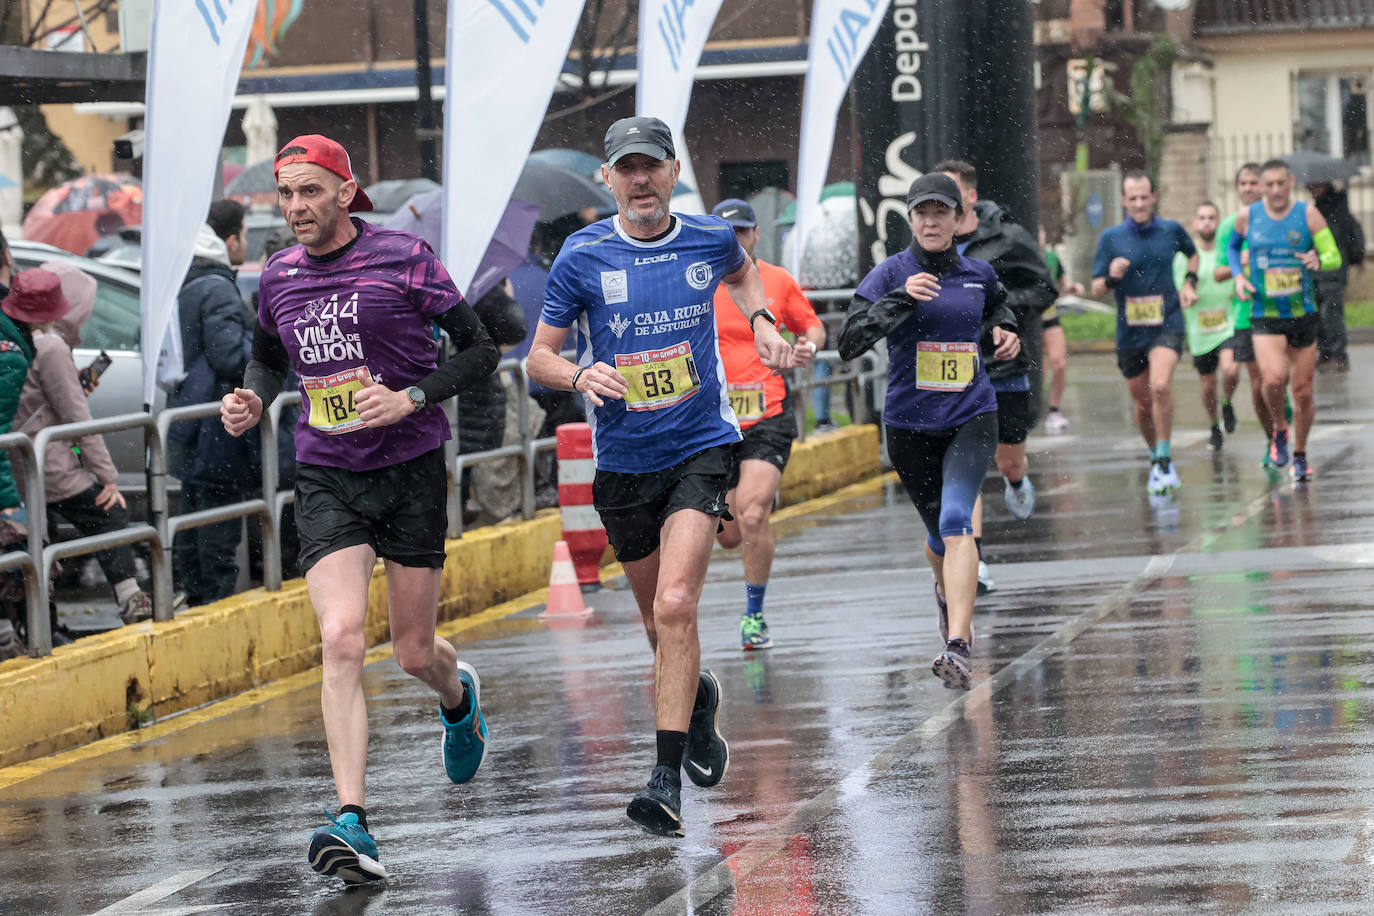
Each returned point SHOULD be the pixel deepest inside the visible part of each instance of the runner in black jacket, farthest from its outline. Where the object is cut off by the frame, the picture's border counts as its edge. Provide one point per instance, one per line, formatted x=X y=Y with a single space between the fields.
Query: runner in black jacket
x=987 y=233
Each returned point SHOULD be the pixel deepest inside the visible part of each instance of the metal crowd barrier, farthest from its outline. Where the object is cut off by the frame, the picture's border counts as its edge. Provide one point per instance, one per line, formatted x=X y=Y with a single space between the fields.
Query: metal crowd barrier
x=527 y=450
x=864 y=375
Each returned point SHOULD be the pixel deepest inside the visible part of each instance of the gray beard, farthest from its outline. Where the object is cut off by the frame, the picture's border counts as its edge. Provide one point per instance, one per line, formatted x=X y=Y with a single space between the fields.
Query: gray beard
x=648 y=220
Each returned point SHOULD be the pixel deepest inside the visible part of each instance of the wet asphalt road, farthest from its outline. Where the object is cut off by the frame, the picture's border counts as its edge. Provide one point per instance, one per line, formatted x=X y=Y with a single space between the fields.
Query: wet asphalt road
x=1171 y=715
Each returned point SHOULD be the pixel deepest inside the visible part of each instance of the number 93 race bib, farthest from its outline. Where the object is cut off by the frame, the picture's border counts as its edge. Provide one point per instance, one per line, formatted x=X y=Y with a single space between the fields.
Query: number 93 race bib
x=658 y=378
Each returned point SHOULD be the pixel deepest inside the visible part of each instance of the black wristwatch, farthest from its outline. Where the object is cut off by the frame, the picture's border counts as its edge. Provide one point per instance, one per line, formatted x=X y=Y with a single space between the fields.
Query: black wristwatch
x=1191 y=277
x=768 y=316
x=417 y=396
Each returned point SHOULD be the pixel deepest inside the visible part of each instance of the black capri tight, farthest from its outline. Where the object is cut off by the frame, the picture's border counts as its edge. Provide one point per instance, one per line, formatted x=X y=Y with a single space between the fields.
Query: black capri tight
x=943 y=473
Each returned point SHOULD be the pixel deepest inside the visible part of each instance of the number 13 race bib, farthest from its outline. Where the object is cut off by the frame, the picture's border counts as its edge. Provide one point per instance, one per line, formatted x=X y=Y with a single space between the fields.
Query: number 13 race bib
x=1144 y=311
x=332 y=409
x=945 y=366
x=658 y=378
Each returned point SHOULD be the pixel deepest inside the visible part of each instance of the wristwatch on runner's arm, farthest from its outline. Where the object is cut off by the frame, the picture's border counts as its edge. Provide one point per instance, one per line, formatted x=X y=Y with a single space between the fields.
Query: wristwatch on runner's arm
x=767 y=316
x=417 y=396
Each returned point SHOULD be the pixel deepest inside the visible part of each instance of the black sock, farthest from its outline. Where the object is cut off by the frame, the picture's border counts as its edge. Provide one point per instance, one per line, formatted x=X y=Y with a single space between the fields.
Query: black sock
x=1054 y=408
x=671 y=746
x=358 y=810
x=1017 y=484
x=1302 y=455
x=978 y=542
x=702 y=699
x=460 y=712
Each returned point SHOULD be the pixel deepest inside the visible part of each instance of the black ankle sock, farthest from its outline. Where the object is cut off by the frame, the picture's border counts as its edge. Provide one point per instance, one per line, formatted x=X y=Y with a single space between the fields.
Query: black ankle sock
x=460 y=712
x=671 y=746
x=358 y=810
x=978 y=542
x=1017 y=484
x=1054 y=408
x=1302 y=455
x=702 y=698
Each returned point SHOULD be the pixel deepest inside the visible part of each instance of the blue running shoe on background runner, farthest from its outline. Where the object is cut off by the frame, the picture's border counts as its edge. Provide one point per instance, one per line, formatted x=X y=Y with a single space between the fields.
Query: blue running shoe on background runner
x=1300 y=471
x=1278 y=449
x=465 y=741
x=343 y=849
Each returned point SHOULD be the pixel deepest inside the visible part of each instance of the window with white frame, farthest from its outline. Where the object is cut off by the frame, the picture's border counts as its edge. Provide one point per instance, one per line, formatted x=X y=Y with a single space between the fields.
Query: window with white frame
x=1333 y=114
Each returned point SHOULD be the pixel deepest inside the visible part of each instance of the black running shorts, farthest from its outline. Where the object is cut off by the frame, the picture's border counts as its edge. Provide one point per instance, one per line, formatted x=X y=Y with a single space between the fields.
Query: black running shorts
x=1134 y=362
x=1242 y=346
x=1207 y=363
x=1015 y=417
x=769 y=440
x=400 y=511
x=1301 y=331
x=633 y=507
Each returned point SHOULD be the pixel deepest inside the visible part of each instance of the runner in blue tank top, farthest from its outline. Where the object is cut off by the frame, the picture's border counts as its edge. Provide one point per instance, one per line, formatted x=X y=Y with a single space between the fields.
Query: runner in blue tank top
x=640 y=288
x=936 y=308
x=1287 y=240
x=1136 y=260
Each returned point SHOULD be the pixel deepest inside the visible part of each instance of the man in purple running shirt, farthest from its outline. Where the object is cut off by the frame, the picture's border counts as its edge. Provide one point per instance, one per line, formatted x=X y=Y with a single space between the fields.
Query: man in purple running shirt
x=352 y=310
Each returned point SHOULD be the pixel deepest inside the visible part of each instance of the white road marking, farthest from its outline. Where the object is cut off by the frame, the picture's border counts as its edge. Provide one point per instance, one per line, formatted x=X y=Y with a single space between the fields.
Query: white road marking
x=725 y=875
x=139 y=902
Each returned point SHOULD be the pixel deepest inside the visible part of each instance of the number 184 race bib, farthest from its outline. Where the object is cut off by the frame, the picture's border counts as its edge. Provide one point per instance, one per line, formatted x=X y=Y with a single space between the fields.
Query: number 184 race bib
x=332 y=409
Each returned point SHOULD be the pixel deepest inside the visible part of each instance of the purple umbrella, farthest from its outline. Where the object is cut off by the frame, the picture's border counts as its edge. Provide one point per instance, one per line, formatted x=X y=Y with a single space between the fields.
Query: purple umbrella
x=423 y=215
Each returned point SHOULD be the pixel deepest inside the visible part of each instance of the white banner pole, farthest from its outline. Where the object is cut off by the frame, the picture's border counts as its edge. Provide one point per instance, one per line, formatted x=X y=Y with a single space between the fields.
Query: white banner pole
x=502 y=63
x=195 y=53
x=841 y=32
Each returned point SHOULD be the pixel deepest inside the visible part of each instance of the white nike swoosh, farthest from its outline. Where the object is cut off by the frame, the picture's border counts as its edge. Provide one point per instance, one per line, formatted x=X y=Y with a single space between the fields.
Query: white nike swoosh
x=704 y=771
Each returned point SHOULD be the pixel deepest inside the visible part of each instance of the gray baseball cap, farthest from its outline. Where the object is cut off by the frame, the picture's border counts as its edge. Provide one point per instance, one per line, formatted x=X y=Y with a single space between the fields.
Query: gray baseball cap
x=649 y=136
x=736 y=212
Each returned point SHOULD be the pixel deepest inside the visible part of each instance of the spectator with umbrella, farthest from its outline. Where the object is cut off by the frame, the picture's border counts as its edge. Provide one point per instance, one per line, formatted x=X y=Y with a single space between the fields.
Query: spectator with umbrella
x=1325 y=178
x=75 y=213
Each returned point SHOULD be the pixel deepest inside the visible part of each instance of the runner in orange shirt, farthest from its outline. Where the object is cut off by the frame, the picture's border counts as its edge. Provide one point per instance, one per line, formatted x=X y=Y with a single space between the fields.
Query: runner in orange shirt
x=759 y=399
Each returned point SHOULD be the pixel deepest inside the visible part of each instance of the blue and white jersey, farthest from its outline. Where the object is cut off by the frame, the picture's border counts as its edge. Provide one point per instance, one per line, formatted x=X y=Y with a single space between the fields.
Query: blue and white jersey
x=646 y=309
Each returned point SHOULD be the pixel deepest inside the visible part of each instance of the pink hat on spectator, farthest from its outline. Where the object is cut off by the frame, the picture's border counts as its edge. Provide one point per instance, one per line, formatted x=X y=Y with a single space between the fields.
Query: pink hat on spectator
x=36 y=297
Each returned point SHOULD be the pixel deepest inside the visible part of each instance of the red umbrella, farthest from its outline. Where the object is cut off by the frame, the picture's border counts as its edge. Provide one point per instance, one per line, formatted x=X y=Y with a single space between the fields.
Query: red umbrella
x=75 y=213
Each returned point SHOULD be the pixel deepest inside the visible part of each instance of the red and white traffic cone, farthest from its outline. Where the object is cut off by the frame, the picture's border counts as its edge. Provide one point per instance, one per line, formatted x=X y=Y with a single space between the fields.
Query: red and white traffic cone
x=582 y=528
x=565 y=595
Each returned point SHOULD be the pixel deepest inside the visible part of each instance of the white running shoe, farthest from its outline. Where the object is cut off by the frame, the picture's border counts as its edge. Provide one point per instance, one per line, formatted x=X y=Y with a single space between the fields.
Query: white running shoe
x=1020 y=500
x=1163 y=477
x=1056 y=422
x=985 y=583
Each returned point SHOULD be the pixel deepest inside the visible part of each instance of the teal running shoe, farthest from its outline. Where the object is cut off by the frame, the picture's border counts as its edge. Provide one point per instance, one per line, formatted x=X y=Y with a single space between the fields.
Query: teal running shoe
x=753 y=633
x=343 y=849
x=465 y=741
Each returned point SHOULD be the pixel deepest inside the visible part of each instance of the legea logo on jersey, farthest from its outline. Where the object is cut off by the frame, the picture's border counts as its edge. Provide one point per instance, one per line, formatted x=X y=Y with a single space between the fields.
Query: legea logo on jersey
x=699 y=275
x=619 y=325
x=614 y=287
x=656 y=259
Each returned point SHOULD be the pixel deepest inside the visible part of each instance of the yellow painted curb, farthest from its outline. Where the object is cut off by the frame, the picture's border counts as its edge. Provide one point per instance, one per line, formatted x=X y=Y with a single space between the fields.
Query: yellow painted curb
x=267 y=643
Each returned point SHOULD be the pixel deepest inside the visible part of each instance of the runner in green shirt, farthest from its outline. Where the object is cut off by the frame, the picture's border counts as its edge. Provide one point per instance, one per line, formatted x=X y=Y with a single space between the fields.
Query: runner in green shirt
x=1210 y=322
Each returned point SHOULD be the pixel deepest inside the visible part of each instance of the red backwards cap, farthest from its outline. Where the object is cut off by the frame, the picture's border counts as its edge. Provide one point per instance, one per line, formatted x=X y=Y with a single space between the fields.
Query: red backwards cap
x=327 y=154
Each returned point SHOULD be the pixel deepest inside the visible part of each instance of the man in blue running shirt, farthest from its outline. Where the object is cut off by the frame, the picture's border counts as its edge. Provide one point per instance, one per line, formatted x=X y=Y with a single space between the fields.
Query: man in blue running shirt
x=640 y=288
x=1136 y=261
x=1288 y=240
